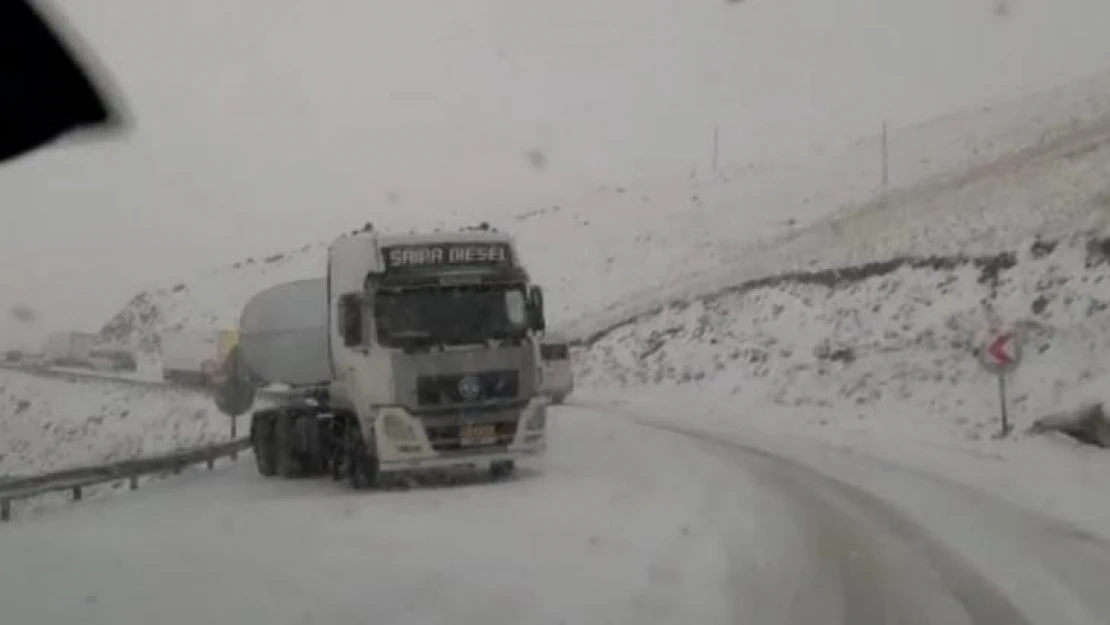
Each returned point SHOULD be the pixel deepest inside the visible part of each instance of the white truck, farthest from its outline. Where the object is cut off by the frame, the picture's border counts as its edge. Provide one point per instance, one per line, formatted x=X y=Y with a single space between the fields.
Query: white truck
x=69 y=349
x=415 y=352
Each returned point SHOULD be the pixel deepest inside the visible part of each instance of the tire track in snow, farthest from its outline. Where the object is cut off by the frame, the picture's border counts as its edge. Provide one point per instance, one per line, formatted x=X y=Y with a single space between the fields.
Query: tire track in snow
x=886 y=567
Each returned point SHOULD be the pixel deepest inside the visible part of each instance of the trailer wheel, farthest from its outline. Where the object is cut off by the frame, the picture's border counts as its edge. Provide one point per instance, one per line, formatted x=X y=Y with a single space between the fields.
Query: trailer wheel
x=262 y=444
x=286 y=462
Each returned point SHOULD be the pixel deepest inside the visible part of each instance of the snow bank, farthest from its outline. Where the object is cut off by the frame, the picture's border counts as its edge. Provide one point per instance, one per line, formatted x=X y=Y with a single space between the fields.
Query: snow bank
x=49 y=424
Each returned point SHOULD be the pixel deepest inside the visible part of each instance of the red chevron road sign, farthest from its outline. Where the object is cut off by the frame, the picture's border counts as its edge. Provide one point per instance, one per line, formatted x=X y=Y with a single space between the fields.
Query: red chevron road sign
x=1002 y=352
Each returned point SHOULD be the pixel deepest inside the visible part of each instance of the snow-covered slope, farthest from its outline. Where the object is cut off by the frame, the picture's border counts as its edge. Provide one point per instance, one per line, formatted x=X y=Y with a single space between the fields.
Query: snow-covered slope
x=887 y=346
x=613 y=251
x=48 y=424
x=867 y=318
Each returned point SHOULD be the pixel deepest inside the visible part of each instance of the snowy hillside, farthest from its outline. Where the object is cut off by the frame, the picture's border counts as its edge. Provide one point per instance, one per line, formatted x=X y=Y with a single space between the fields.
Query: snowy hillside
x=866 y=319
x=213 y=301
x=48 y=424
x=633 y=247
x=887 y=346
x=1053 y=187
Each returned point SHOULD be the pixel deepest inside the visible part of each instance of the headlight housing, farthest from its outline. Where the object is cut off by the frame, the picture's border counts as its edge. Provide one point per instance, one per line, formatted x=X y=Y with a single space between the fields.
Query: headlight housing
x=397 y=429
x=537 y=420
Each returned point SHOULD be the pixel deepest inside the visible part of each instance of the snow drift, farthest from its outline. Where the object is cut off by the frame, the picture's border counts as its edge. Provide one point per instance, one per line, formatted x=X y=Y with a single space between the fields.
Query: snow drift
x=48 y=424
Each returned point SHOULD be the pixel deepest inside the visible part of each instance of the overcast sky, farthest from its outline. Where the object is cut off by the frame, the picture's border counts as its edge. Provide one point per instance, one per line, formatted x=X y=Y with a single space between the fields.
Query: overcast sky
x=265 y=124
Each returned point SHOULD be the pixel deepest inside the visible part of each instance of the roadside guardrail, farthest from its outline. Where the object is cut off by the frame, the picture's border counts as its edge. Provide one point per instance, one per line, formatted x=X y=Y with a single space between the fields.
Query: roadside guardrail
x=77 y=479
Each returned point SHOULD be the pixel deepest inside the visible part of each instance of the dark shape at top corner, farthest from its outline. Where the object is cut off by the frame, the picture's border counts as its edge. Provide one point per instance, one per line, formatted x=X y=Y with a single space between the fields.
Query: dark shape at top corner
x=48 y=93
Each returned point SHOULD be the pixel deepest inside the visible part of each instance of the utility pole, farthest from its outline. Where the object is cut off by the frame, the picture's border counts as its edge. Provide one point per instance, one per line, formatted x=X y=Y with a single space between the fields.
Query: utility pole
x=716 y=149
x=886 y=158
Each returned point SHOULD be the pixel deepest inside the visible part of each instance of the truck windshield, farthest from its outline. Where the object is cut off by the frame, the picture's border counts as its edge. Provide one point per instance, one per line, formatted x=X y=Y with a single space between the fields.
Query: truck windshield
x=457 y=315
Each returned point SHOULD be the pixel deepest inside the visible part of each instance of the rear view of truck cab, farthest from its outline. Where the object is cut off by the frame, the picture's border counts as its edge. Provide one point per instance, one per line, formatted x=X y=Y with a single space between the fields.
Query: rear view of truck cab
x=556 y=376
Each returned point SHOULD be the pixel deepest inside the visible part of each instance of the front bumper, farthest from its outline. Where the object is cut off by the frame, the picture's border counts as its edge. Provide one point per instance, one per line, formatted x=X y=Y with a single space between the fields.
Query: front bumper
x=403 y=443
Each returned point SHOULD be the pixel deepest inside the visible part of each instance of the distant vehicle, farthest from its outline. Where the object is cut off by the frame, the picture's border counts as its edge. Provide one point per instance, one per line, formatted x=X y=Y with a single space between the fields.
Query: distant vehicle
x=113 y=359
x=556 y=376
x=34 y=361
x=13 y=356
x=69 y=349
x=195 y=358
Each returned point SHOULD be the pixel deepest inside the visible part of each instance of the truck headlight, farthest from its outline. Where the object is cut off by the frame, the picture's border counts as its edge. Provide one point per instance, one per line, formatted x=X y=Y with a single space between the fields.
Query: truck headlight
x=537 y=420
x=397 y=429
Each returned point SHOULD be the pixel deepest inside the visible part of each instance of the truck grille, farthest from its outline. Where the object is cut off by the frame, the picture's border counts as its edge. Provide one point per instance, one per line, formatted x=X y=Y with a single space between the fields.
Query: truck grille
x=446 y=390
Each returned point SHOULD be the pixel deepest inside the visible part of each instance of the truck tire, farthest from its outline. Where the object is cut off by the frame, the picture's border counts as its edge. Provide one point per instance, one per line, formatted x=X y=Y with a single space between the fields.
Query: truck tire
x=262 y=444
x=310 y=448
x=501 y=469
x=362 y=466
x=286 y=459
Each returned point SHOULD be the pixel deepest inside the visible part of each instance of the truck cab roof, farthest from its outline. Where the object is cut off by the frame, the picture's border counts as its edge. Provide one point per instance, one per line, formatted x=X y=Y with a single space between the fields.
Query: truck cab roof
x=353 y=257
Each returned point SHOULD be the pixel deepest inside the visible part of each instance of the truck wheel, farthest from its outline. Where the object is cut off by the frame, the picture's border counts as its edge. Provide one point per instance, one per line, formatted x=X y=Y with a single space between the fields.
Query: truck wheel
x=286 y=462
x=362 y=467
x=501 y=469
x=262 y=445
x=363 y=473
x=312 y=456
x=557 y=400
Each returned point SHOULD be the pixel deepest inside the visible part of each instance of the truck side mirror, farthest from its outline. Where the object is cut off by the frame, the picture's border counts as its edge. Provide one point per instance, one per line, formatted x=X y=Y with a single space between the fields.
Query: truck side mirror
x=536 y=319
x=350 y=319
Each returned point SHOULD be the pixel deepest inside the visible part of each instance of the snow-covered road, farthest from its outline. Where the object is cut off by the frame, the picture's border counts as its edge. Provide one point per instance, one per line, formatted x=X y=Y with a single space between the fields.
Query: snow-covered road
x=621 y=523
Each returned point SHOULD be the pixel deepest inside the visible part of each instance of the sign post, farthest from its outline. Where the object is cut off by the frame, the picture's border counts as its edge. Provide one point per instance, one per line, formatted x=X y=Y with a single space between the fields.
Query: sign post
x=1000 y=356
x=235 y=434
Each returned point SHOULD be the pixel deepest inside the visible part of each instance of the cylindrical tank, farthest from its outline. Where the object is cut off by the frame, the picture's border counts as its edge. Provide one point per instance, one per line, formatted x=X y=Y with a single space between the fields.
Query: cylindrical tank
x=283 y=334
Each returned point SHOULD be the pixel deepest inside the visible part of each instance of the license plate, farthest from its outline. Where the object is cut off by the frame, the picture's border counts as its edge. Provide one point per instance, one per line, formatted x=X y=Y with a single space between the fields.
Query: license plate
x=472 y=434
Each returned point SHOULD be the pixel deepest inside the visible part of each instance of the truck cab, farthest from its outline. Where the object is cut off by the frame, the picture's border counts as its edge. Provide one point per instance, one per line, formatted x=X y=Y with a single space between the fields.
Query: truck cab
x=429 y=354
